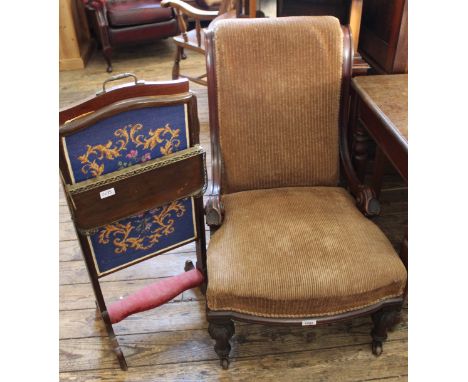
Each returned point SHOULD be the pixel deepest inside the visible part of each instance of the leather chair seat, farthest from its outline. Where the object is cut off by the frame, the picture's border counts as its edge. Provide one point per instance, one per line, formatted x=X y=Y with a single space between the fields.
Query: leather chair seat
x=136 y=12
x=299 y=252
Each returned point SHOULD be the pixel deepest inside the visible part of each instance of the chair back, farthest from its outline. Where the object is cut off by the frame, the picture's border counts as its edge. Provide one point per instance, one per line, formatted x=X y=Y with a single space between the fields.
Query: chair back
x=275 y=95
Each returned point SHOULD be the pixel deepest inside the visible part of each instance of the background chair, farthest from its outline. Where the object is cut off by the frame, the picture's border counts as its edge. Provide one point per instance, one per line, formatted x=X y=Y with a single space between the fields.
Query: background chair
x=289 y=245
x=194 y=40
x=126 y=22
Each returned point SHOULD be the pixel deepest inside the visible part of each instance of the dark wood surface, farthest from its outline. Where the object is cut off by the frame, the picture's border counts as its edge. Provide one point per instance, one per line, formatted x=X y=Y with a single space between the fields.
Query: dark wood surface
x=90 y=102
x=347 y=11
x=172 y=342
x=139 y=193
x=381 y=110
x=337 y=8
x=383 y=41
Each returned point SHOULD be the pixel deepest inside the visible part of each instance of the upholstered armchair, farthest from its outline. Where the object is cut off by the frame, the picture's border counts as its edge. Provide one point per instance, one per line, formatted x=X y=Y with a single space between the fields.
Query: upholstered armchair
x=125 y=22
x=194 y=40
x=291 y=242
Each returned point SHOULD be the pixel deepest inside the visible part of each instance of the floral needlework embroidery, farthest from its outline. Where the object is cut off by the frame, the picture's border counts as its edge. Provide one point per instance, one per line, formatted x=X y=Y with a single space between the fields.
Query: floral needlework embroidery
x=144 y=231
x=93 y=160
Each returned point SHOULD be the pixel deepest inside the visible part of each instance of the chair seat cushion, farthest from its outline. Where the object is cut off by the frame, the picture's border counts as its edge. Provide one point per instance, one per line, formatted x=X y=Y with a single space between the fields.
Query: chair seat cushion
x=299 y=252
x=136 y=12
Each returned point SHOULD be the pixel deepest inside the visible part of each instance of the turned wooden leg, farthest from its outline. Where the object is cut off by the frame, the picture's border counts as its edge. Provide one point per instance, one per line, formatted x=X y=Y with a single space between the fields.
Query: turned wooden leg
x=384 y=320
x=358 y=138
x=360 y=150
x=176 y=67
x=221 y=332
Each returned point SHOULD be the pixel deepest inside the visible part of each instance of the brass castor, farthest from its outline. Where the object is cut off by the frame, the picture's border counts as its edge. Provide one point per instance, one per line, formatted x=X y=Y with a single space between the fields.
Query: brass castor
x=377 y=348
x=224 y=363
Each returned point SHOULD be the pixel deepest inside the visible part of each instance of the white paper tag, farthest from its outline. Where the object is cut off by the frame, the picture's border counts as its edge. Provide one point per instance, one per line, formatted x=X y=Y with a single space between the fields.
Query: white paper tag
x=107 y=193
x=309 y=322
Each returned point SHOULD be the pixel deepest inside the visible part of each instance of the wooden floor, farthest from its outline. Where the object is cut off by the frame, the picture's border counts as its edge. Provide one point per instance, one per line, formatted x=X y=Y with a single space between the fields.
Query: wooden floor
x=172 y=342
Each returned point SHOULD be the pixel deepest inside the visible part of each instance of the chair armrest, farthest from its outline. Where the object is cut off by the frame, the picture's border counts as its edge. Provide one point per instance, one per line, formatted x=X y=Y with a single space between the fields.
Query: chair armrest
x=95 y=5
x=214 y=209
x=366 y=199
x=190 y=11
x=99 y=9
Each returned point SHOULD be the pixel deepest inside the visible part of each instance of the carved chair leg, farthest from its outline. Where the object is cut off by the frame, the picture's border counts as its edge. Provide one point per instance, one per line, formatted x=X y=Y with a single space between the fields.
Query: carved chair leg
x=221 y=332
x=176 y=67
x=383 y=320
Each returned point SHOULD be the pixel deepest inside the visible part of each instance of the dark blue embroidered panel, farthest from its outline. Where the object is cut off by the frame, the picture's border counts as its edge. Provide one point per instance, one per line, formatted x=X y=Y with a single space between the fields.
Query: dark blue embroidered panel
x=126 y=139
x=135 y=238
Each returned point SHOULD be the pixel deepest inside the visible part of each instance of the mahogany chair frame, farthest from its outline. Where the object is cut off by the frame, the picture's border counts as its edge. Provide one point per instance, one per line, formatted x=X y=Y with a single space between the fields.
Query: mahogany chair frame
x=221 y=327
x=121 y=98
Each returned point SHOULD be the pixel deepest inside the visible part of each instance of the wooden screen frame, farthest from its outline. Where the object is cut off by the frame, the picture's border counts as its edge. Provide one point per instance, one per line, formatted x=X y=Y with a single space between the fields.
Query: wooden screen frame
x=142 y=94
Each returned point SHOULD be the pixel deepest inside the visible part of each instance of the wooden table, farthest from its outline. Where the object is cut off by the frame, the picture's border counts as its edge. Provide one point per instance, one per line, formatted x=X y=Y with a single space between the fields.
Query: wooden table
x=379 y=109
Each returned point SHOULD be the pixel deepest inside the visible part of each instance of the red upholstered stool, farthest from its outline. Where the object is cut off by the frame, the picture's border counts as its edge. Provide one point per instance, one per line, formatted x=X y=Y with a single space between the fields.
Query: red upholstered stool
x=127 y=22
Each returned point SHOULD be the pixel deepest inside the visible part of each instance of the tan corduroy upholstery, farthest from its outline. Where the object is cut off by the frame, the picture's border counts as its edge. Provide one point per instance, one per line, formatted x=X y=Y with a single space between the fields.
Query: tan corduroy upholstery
x=299 y=252
x=292 y=244
x=278 y=83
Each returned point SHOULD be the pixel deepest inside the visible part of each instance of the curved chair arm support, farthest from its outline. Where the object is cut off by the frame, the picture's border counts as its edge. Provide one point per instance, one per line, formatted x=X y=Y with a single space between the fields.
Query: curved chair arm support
x=366 y=199
x=214 y=209
x=98 y=7
x=365 y=196
x=186 y=9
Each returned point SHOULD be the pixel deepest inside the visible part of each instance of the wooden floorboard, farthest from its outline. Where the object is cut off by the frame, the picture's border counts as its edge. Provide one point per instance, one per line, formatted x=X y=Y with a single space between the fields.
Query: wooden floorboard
x=343 y=363
x=171 y=343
